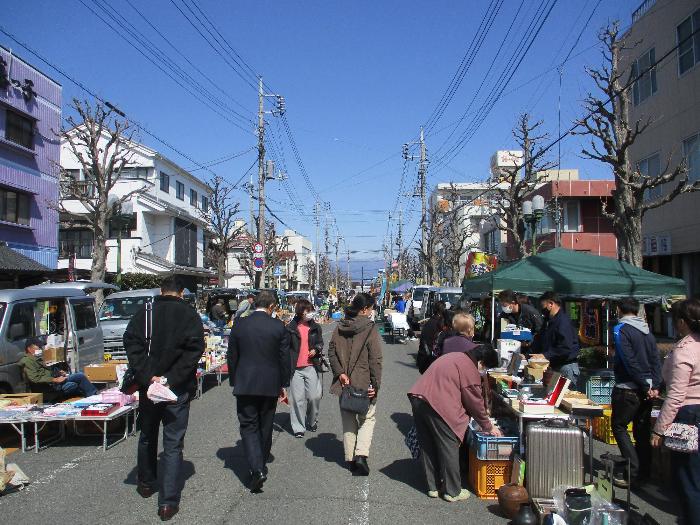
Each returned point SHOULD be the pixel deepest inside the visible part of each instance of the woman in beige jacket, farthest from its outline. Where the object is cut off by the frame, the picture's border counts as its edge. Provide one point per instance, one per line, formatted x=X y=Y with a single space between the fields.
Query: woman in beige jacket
x=355 y=355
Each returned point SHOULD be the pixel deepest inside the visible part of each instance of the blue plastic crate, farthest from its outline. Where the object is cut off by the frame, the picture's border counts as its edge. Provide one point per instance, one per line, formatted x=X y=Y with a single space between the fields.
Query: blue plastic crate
x=490 y=447
x=599 y=388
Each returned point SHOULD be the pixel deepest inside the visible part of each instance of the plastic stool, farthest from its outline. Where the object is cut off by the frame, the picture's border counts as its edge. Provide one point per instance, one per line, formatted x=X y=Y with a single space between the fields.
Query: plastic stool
x=611 y=461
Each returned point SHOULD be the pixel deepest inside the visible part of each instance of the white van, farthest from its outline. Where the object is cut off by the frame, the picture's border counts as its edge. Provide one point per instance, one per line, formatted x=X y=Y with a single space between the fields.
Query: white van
x=418 y=296
x=65 y=314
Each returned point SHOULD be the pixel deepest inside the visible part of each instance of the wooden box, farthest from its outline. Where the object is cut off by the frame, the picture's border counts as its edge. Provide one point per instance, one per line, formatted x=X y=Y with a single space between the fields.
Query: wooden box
x=54 y=354
x=28 y=398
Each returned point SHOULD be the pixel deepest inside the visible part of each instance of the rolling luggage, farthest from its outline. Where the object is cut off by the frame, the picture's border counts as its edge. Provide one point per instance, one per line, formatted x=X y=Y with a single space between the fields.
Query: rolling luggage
x=554 y=457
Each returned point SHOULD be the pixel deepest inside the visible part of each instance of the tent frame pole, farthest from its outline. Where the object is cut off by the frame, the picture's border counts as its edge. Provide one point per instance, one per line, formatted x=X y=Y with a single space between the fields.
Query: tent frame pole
x=493 y=317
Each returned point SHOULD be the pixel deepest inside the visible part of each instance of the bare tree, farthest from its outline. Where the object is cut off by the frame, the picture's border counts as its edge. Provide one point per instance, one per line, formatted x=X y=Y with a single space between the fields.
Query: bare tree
x=455 y=233
x=309 y=269
x=274 y=252
x=516 y=182
x=428 y=254
x=102 y=143
x=221 y=218
x=612 y=134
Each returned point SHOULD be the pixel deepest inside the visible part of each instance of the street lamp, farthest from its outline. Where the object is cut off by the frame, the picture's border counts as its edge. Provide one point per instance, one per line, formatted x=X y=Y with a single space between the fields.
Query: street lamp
x=533 y=211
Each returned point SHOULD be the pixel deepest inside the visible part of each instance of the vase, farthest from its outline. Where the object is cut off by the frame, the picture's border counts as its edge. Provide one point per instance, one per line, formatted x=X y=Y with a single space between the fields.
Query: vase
x=510 y=497
x=525 y=516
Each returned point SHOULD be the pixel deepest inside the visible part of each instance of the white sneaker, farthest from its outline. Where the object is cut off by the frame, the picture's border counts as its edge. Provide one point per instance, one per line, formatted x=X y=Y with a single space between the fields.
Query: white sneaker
x=464 y=494
x=433 y=494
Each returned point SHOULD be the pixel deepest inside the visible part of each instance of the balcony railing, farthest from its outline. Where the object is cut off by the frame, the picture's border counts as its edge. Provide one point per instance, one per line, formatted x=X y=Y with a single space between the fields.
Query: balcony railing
x=642 y=10
x=81 y=250
x=70 y=189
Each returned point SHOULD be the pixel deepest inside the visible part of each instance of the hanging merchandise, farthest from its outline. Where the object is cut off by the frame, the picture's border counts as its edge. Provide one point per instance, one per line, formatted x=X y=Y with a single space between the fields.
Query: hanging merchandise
x=589 y=331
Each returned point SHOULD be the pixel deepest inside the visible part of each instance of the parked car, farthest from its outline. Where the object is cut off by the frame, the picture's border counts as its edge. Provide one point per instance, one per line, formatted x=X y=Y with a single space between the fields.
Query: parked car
x=65 y=315
x=418 y=294
x=116 y=312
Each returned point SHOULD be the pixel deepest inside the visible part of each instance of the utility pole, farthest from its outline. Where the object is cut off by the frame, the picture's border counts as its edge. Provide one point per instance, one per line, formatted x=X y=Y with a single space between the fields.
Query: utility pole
x=424 y=226
x=349 y=281
x=262 y=176
x=261 y=173
x=337 y=272
x=317 y=219
x=400 y=240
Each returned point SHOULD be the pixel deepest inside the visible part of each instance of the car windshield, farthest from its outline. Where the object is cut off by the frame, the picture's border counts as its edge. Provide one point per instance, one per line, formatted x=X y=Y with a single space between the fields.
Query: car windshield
x=452 y=298
x=121 y=308
x=418 y=294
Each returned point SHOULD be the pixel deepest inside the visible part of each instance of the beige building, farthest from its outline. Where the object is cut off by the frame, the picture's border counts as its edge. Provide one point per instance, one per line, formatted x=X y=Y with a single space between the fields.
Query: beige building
x=670 y=96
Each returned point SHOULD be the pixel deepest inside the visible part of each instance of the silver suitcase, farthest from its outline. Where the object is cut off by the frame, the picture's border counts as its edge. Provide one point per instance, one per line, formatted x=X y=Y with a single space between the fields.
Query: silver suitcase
x=554 y=456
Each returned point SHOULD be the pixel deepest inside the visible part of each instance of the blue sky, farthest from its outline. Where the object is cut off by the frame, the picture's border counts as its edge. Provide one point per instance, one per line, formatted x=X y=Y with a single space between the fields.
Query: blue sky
x=359 y=78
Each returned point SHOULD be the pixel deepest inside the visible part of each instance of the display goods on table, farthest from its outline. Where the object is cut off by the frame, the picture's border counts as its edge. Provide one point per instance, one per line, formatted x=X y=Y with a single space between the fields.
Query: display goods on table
x=554 y=457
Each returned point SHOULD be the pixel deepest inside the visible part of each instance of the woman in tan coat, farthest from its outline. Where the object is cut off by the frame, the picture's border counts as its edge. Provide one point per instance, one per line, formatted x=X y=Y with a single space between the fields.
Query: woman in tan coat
x=355 y=355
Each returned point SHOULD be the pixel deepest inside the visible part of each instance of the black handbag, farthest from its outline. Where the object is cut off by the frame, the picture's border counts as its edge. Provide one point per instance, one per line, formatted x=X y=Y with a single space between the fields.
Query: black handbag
x=129 y=383
x=355 y=400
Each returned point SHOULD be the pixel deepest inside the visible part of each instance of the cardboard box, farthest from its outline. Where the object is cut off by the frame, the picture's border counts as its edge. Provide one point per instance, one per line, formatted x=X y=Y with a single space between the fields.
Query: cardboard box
x=54 y=354
x=102 y=373
x=28 y=398
x=535 y=372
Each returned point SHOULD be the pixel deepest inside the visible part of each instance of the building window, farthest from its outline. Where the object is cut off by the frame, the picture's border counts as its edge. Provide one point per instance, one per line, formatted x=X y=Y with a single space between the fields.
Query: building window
x=651 y=168
x=75 y=242
x=185 y=243
x=691 y=151
x=14 y=207
x=688 y=46
x=193 y=198
x=180 y=190
x=205 y=203
x=134 y=173
x=571 y=212
x=19 y=129
x=164 y=182
x=645 y=86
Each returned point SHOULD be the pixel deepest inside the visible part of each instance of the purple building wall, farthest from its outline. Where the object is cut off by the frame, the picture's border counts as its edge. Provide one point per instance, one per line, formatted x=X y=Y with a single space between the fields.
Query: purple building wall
x=32 y=171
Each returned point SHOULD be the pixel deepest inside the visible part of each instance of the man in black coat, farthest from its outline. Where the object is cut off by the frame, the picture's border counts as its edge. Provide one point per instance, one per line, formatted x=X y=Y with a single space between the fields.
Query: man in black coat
x=259 y=367
x=164 y=345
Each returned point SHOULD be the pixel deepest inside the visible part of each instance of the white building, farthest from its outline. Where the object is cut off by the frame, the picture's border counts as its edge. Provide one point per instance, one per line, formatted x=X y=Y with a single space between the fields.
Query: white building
x=165 y=233
x=295 y=267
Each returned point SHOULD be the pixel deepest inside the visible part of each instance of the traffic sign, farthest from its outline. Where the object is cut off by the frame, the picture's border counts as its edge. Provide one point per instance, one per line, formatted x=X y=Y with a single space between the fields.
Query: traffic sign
x=278 y=271
x=259 y=264
x=258 y=248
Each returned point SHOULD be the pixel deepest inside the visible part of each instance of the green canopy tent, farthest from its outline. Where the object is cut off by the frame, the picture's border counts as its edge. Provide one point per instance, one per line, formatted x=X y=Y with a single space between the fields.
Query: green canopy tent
x=574 y=275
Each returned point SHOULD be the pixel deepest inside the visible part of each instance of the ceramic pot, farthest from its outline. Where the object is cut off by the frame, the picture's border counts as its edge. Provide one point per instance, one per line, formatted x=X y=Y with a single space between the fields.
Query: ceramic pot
x=525 y=516
x=510 y=497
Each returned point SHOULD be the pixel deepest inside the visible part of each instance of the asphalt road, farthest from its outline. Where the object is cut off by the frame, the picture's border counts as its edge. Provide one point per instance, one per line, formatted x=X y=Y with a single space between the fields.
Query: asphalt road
x=77 y=482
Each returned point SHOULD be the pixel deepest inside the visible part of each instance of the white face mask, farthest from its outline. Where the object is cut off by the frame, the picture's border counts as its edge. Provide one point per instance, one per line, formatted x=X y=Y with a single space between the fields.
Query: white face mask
x=38 y=353
x=309 y=316
x=508 y=309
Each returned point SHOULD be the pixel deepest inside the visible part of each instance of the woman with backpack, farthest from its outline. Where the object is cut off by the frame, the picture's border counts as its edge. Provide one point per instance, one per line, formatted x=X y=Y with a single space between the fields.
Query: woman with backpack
x=355 y=355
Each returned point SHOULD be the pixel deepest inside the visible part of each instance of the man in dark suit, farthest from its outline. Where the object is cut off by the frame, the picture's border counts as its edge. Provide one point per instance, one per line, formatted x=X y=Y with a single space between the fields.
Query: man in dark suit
x=259 y=366
x=164 y=345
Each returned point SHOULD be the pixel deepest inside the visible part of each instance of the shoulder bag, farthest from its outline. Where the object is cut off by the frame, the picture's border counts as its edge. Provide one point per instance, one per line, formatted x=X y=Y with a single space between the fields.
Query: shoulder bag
x=681 y=437
x=129 y=383
x=356 y=400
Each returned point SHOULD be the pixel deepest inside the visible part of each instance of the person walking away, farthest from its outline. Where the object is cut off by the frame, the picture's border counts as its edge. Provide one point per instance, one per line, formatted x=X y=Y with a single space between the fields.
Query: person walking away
x=428 y=337
x=259 y=366
x=246 y=307
x=355 y=355
x=400 y=304
x=520 y=314
x=167 y=352
x=306 y=340
x=443 y=400
x=637 y=381
x=36 y=373
x=559 y=340
x=681 y=373
x=461 y=341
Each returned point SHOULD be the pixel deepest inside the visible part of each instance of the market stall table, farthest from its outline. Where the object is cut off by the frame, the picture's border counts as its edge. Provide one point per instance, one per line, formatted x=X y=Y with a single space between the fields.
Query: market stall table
x=216 y=370
x=124 y=411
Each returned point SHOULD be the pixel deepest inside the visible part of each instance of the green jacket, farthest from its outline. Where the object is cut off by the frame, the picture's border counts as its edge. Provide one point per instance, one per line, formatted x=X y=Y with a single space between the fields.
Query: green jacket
x=34 y=370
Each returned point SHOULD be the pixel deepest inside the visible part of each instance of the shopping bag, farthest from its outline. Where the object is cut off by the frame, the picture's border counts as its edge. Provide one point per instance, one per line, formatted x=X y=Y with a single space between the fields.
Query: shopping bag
x=412 y=442
x=160 y=393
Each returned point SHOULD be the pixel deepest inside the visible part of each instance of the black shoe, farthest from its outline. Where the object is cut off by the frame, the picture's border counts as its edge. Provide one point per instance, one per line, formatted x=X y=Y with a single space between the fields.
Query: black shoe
x=362 y=466
x=298 y=435
x=166 y=512
x=270 y=458
x=313 y=428
x=258 y=478
x=351 y=465
x=144 y=490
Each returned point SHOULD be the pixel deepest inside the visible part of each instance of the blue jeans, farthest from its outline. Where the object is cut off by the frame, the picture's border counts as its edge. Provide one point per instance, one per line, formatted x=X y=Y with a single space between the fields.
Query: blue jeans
x=686 y=468
x=571 y=372
x=77 y=384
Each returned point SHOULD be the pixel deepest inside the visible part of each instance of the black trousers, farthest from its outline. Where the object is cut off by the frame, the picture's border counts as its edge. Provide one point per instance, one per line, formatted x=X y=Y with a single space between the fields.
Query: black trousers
x=686 y=470
x=439 y=449
x=256 y=415
x=632 y=406
x=174 y=417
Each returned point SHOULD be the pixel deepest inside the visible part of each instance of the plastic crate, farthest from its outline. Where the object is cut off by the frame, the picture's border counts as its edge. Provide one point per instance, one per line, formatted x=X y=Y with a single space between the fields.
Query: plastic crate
x=602 y=428
x=599 y=388
x=490 y=448
x=486 y=477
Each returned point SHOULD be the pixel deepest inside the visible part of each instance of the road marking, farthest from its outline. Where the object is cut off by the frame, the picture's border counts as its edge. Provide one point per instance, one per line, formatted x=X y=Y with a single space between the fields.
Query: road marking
x=362 y=517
